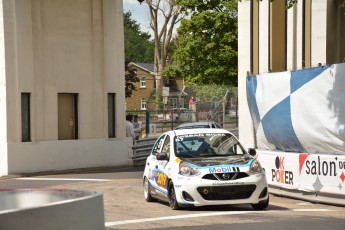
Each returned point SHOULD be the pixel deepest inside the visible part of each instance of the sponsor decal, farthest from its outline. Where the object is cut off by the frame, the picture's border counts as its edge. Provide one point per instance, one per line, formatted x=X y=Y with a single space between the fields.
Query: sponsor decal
x=227 y=183
x=322 y=167
x=181 y=137
x=177 y=160
x=318 y=167
x=161 y=180
x=279 y=174
x=220 y=169
x=162 y=163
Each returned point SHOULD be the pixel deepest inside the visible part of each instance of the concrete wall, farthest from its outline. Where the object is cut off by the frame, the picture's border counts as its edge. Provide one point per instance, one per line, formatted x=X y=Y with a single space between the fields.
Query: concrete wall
x=246 y=131
x=50 y=47
x=319 y=32
x=51 y=209
x=3 y=99
x=61 y=155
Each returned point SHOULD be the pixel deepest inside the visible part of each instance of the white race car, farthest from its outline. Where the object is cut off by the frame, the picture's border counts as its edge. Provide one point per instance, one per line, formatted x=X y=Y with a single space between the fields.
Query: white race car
x=196 y=167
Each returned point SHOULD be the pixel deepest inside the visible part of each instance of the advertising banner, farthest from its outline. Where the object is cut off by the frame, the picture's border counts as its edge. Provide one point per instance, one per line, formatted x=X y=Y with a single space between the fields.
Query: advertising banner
x=299 y=111
x=304 y=172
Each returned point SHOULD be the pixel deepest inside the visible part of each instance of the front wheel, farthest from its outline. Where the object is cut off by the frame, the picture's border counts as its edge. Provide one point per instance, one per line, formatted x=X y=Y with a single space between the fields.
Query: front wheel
x=172 y=197
x=261 y=205
x=147 y=188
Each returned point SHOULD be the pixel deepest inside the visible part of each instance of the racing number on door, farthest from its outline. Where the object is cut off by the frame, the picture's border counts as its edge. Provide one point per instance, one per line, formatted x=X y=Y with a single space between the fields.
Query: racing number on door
x=161 y=180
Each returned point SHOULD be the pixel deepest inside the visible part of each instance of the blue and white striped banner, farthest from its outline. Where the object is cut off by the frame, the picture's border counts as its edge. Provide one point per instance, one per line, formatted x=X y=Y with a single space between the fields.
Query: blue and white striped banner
x=299 y=111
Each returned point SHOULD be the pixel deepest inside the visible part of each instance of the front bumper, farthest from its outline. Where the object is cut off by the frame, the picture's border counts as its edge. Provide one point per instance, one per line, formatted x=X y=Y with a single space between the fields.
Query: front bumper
x=199 y=192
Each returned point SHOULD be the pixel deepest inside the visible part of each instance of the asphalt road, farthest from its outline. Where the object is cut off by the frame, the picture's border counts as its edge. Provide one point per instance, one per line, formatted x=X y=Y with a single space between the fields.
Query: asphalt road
x=125 y=207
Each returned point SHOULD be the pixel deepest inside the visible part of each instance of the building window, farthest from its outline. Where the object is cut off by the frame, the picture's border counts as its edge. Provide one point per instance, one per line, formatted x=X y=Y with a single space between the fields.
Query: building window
x=25 y=106
x=174 y=102
x=111 y=115
x=143 y=103
x=182 y=102
x=142 y=82
x=67 y=116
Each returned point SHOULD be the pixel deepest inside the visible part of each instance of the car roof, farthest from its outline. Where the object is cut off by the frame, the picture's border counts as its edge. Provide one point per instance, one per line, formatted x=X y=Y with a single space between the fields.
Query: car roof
x=199 y=124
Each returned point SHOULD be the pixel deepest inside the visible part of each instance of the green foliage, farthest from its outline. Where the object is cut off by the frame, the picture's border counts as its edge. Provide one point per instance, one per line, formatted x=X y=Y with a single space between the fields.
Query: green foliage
x=130 y=79
x=159 y=100
x=138 y=45
x=171 y=70
x=211 y=93
x=207 y=43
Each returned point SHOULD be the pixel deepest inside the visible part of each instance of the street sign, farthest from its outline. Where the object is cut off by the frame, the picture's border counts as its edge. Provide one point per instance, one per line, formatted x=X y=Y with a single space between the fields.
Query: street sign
x=152 y=128
x=165 y=91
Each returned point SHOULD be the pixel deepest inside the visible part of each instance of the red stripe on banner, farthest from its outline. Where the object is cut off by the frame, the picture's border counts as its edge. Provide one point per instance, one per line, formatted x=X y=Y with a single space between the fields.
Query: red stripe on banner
x=302 y=158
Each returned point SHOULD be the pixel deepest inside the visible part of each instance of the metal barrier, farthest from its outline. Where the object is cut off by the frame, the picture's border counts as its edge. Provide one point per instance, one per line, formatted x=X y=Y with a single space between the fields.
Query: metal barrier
x=142 y=149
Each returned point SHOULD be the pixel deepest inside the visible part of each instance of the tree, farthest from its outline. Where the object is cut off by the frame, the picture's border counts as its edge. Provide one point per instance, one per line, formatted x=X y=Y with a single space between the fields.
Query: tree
x=212 y=93
x=138 y=45
x=130 y=79
x=207 y=43
x=170 y=14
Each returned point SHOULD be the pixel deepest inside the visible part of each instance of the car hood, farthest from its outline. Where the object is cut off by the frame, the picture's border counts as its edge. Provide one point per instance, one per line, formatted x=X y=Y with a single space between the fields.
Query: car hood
x=210 y=161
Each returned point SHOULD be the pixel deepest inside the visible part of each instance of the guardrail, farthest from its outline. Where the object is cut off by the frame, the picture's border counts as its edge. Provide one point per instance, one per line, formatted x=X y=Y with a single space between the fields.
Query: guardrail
x=142 y=149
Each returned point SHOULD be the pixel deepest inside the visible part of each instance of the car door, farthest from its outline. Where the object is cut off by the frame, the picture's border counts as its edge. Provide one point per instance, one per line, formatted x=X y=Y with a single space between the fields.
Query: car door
x=158 y=163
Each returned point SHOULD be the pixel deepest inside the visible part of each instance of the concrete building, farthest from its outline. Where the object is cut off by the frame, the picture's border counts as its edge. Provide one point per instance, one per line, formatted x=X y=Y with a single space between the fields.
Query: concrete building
x=62 y=83
x=273 y=39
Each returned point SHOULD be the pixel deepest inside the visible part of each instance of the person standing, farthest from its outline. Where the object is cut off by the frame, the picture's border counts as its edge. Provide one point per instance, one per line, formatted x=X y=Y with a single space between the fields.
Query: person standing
x=137 y=126
x=191 y=101
x=129 y=126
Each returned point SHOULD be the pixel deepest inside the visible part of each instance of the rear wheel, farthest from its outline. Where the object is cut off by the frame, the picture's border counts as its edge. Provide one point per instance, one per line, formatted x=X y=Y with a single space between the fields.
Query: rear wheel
x=147 y=188
x=172 y=197
x=261 y=205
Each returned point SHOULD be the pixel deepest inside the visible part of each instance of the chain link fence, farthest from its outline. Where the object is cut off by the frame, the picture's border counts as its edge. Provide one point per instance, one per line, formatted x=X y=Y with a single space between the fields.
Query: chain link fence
x=224 y=112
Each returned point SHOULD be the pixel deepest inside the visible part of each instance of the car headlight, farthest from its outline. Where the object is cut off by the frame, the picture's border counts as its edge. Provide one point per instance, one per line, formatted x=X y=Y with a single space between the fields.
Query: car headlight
x=255 y=167
x=187 y=170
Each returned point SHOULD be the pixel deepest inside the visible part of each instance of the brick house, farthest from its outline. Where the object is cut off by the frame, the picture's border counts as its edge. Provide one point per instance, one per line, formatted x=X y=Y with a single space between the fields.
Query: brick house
x=143 y=98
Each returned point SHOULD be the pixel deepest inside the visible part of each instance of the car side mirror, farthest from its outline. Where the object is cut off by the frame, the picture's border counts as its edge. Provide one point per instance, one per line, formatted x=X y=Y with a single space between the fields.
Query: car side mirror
x=162 y=157
x=252 y=152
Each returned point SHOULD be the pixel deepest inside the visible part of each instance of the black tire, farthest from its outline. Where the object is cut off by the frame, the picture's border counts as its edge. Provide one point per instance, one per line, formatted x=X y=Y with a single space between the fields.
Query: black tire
x=172 y=197
x=147 y=188
x=261 y=205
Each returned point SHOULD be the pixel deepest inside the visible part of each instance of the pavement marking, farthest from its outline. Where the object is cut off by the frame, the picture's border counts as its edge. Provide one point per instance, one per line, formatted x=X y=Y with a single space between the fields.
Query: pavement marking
x=123 y=222
x=60 y=179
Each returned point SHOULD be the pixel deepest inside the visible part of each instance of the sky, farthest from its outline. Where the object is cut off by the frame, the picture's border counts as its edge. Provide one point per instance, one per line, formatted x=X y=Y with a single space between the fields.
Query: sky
x=140 y=13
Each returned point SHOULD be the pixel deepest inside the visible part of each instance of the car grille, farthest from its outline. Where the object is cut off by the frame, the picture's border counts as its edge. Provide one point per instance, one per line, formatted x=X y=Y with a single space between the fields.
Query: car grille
x=232 y=192
x=225 y=176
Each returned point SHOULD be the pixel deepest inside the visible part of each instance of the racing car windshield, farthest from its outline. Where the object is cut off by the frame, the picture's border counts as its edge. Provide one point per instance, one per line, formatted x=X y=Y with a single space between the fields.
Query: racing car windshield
x=207 y=145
